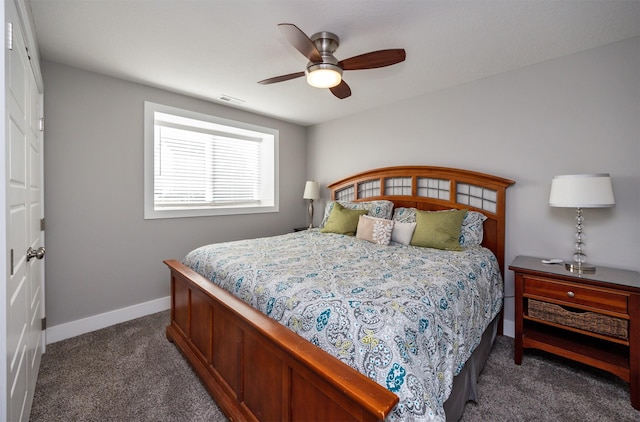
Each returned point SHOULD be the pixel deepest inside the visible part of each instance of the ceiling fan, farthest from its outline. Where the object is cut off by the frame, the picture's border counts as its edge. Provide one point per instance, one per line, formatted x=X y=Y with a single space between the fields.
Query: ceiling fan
x=323 y=69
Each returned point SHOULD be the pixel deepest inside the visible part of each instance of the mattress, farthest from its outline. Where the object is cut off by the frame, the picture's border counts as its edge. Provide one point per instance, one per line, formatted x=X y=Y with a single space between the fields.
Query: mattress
x=407 y=317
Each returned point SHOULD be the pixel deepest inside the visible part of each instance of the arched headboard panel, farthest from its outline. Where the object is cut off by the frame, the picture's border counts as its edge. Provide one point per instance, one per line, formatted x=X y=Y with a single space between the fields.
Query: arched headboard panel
x=434 y=188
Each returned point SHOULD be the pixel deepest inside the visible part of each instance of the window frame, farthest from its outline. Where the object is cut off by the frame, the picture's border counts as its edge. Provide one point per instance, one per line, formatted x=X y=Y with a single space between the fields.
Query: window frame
x=271 y=162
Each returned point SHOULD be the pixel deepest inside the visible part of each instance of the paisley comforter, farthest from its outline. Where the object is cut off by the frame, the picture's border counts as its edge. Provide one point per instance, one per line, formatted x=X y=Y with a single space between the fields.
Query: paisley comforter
x=407 y=317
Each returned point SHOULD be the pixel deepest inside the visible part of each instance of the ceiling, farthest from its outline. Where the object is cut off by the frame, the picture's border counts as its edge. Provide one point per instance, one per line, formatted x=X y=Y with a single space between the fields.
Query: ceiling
x=212 y=48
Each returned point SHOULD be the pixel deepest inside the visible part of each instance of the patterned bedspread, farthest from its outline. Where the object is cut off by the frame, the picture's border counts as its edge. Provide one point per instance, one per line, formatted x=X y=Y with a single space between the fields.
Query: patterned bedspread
x=406 y=317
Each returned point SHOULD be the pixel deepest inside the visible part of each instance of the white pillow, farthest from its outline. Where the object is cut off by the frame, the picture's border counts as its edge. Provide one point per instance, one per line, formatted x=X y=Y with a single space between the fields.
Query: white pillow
x=403 y=232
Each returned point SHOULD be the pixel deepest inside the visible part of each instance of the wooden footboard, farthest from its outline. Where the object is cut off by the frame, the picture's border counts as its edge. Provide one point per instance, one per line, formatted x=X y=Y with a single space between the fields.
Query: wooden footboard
x=257 y=369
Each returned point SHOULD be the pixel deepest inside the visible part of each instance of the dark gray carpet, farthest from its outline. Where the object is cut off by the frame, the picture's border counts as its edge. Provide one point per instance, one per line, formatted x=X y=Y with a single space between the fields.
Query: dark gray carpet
x=130 y=372
x=127 y=372
x=547 y=388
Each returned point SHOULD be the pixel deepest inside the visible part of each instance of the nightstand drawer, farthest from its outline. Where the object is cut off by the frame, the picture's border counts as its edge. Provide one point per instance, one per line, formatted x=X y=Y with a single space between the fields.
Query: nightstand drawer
x=573 y=294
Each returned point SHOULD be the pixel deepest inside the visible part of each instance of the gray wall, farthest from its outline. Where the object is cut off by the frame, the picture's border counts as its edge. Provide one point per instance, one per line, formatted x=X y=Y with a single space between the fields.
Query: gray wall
x=577 y=114
x=101 y=254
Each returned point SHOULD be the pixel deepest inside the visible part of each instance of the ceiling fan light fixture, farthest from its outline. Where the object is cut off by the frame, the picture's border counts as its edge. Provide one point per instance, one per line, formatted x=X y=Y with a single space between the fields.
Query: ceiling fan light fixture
x=323 y=69
x=324 y=75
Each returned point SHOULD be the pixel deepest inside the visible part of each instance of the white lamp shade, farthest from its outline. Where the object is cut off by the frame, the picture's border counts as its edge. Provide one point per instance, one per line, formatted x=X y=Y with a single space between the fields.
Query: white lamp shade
x=311 y=190
x=581 y=191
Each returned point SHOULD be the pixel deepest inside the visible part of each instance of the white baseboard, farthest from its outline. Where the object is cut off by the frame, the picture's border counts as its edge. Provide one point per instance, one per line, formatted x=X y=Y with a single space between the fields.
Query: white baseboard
x=509 y=328
x=107 y=319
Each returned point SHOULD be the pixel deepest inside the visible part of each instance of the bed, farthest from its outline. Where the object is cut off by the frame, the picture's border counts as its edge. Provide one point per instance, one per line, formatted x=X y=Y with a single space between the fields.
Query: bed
x=337 y=358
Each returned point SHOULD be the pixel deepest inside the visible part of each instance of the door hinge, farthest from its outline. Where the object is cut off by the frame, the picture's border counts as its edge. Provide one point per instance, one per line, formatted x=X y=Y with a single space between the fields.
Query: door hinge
x=43 y=323
x=42 y=124
x=10 y=35
x=11 y=258
x=42 y=224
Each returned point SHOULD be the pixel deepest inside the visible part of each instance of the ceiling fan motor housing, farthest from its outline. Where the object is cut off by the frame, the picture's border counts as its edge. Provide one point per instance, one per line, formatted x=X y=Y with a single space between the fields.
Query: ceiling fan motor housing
x=326 y=42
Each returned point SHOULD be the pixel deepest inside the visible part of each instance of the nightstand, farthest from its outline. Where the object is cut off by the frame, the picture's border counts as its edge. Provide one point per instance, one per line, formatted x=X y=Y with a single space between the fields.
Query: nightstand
x=589 y=318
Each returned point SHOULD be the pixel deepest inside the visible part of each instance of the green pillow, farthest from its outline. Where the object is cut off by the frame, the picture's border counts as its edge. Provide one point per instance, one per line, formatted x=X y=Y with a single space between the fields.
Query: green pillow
x=342 y=220
x=438 y=229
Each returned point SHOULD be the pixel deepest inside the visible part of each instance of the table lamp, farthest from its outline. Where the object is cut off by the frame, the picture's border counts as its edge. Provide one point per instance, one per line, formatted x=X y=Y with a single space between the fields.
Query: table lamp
x=581 y=191
x=311 y=192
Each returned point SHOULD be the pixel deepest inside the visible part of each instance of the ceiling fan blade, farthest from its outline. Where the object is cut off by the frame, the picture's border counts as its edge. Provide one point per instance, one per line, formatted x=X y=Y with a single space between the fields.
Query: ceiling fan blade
x=300 y=41
x=341 y=90
x=281 y=78
x=374 y=59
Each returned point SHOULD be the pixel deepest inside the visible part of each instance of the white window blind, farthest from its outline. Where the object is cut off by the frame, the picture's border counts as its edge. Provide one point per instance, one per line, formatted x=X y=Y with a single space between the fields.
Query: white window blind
x=201 y=165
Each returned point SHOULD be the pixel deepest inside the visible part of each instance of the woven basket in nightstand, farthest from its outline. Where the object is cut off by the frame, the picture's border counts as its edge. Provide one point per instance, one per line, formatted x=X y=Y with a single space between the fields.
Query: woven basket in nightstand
x=584 y=320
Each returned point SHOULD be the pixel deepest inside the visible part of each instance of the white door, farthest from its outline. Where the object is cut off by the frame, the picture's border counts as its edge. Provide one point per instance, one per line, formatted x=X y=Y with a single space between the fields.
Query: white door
x=24 y=190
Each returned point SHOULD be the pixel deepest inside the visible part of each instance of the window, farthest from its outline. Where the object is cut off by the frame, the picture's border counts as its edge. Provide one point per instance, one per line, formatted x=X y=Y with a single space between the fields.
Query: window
x=197 y=165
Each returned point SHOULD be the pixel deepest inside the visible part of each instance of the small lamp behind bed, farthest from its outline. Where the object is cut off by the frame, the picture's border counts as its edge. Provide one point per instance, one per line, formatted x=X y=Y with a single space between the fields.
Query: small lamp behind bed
x=311 y=192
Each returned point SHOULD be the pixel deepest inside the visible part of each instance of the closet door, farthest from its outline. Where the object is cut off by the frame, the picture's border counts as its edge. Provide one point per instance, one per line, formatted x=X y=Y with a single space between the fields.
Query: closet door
x=25 y=240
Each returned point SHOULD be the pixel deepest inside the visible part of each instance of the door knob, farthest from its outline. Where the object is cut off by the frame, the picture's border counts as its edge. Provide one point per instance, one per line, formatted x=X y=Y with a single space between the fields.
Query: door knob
x=33 y=253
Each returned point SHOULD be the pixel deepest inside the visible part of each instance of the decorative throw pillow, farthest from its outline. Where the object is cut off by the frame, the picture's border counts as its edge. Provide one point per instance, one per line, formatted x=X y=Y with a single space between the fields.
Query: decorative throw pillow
x=402 y=232
x=378 y=209
x=472 y=230
x=342 y=220
x=438 y=229
x=471 y=233
x=404 y=215
x=374 y=230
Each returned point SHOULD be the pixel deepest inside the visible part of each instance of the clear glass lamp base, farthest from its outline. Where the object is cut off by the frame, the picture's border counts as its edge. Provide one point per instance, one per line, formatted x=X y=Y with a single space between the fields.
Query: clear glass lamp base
x=579 y=264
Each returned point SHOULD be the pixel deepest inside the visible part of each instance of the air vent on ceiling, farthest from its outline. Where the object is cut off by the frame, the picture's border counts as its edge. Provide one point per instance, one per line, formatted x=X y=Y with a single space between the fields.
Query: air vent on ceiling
x=230 y=99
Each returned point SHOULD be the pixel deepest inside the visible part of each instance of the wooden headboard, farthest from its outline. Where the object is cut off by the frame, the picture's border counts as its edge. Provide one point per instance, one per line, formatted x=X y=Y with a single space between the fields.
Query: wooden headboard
x=434 y=188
